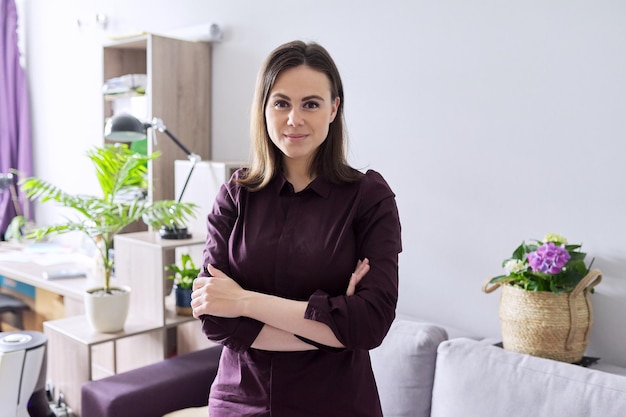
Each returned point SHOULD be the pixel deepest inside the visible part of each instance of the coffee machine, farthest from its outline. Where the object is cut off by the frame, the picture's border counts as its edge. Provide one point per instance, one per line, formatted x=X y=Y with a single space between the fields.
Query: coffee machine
x=23 y=375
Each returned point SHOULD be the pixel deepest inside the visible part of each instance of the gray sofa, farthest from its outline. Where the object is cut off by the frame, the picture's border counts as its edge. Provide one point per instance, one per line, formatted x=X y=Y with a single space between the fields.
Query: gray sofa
x=422 y=373
x=422 y=370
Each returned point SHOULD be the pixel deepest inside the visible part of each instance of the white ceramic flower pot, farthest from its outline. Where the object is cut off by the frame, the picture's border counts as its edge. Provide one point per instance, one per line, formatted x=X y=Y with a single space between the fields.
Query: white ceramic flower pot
x=107 y=313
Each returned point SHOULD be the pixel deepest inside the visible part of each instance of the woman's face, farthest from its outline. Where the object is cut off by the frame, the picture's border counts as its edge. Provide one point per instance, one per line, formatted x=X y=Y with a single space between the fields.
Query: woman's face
x=299 y=111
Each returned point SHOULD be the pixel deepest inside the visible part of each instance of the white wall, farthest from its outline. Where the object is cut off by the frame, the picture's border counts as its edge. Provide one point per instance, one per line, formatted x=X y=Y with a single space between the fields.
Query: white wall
x=492 y=121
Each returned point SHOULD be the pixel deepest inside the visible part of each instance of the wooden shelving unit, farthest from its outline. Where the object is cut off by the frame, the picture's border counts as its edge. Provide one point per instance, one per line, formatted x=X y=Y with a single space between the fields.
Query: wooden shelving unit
x=139 y=263
x=178 y=91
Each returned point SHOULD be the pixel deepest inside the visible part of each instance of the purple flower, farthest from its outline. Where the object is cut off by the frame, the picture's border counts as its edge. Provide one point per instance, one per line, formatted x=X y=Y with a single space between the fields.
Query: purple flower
x=548 y=258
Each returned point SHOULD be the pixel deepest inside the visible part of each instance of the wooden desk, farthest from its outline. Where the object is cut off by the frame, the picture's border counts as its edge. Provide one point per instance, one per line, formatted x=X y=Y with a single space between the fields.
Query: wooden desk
x=17 y=265
x=75 y=353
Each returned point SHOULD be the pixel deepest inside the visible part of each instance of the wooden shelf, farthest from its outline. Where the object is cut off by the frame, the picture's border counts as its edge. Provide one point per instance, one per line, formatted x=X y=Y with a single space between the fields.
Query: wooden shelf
x=171 y=318
x=140 y=260
x=178 y=91
x=112 y=97
x=153 y=240
x=74 y=358
x=77 y=329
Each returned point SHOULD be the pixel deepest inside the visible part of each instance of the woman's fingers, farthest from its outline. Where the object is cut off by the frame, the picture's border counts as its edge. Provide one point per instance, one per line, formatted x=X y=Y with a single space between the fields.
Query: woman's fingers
x=216 y=272
x=362 y=268
x=218 y=295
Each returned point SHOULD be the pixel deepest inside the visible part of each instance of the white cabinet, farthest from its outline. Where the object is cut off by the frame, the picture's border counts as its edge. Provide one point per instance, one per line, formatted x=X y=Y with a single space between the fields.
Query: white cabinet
x=205 y=181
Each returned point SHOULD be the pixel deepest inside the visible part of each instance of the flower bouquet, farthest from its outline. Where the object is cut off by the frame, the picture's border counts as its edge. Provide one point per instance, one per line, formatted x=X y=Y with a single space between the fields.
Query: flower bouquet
x=545 y=308
x=550 y=264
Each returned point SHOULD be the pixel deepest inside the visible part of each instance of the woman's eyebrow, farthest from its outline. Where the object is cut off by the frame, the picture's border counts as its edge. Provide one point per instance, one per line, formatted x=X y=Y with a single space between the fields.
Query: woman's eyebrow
x=279 y=95
x=285 y=97
x=313 y=97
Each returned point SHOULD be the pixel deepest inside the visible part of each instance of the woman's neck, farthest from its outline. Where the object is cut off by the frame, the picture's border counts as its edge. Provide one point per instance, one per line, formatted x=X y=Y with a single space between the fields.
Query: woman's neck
x=298 y=174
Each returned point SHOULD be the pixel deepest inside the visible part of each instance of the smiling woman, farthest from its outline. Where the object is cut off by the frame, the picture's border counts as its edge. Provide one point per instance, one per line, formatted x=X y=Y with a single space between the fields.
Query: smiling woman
x=299 y=112
x=300 y=269
x=329 y=160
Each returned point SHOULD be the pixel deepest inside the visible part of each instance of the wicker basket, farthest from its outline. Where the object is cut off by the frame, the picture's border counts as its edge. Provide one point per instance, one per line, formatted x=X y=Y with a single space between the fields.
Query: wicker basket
x=546 y=324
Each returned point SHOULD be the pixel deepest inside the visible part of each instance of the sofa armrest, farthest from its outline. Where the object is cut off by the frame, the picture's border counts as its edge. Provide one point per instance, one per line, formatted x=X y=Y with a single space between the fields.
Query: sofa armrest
x=154 y=390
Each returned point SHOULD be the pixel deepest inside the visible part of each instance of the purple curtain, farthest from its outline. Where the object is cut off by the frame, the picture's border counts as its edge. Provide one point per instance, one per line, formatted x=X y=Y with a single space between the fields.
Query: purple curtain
x=15 y=135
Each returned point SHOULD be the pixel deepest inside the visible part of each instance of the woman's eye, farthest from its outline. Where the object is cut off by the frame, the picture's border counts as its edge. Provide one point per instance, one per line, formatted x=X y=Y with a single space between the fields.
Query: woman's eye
x=281 y=104
x=311 y=105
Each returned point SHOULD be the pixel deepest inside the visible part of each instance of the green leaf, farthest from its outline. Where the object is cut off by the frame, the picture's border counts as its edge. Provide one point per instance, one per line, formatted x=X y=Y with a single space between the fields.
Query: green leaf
x=184 y=276
x=121 y=173
x=499 y=278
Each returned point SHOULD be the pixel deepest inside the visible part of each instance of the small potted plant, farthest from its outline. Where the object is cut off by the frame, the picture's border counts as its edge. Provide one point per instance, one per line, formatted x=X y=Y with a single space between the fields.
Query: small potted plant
x=183 y=283
x=545 y=308
x=121 y=174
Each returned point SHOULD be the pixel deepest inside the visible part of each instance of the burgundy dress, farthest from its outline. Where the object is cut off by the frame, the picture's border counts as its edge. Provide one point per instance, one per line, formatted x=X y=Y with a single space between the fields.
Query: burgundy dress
x=304 y=246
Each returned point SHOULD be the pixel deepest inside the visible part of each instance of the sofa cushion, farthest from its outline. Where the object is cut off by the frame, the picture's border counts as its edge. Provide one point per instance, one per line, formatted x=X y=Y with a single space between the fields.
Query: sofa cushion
x=476 y=380
x=404 y=366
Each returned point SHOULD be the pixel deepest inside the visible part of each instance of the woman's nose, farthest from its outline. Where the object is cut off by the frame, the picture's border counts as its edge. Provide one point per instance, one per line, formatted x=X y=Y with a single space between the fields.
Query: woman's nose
x=295 y=117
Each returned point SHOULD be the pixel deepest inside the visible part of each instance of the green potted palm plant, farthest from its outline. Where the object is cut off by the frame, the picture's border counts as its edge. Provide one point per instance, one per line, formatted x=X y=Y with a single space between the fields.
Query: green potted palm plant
x=183 y=283
x=121 y=174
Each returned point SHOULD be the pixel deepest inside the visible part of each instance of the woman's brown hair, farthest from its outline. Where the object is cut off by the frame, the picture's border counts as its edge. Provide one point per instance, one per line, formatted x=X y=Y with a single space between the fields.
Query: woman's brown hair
x=266 y=160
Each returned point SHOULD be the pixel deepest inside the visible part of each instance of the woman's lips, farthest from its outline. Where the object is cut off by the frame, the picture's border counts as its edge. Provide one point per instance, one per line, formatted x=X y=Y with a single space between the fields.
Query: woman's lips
x=295 y=137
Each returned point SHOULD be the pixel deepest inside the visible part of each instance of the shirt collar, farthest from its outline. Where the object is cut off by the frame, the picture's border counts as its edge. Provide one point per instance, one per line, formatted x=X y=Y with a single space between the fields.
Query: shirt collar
x=319 y=185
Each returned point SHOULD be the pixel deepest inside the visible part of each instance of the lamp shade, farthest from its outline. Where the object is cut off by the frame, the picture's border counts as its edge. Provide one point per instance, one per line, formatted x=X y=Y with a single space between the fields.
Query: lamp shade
x=125 y=128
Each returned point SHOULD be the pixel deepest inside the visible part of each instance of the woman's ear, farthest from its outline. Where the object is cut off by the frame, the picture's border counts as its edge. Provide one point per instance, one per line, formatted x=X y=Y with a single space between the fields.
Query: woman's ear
x=335 y=108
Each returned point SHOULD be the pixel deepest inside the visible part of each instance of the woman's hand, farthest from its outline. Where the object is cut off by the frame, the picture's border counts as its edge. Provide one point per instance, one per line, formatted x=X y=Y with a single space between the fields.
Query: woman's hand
x=362 y=268
x=217 y=295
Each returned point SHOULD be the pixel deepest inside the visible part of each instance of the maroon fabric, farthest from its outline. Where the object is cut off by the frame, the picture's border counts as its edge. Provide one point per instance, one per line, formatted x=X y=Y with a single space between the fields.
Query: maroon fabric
x=15 y=140
x=151 y=391
x=304 y=246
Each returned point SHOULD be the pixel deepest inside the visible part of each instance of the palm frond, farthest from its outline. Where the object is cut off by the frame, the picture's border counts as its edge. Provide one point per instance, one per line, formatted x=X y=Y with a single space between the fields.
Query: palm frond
x=37 y=189
x=119 y=170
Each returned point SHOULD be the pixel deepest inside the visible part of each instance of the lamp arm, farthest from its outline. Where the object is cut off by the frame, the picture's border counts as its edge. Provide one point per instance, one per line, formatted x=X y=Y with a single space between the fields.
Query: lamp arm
x=193 y=165
x=194 y=158
x=160 y=126
x=177 y=142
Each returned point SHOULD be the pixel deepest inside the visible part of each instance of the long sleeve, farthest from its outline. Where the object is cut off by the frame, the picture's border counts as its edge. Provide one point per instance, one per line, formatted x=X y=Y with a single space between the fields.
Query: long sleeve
x=235 y=333
x=361 y=321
